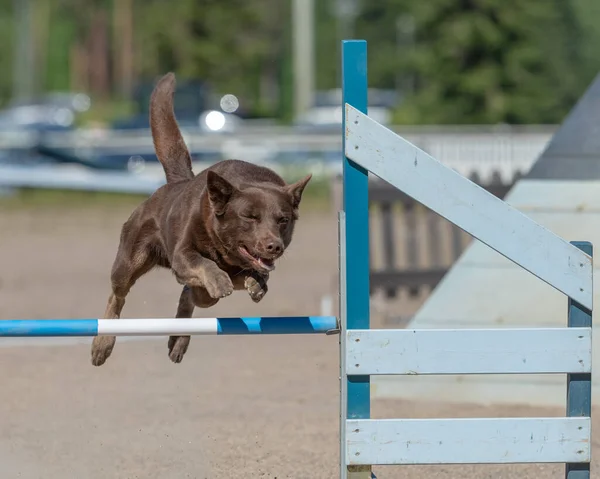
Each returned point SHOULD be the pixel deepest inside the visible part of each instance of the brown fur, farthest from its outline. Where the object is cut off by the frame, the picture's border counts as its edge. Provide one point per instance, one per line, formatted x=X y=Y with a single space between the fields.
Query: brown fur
x=217 y=231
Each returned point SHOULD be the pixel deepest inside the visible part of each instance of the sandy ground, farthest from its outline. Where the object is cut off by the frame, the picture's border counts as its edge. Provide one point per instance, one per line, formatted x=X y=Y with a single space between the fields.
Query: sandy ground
x=237 y=407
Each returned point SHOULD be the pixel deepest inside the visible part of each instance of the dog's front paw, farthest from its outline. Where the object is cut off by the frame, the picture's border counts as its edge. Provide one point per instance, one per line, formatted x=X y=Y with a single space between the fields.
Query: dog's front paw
x=256 y=287
x=218 y=284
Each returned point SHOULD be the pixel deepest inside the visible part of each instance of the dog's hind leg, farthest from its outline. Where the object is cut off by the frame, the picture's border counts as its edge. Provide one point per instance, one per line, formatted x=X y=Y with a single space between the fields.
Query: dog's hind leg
x=190 y=297
x=178 y=344
x=125 y=272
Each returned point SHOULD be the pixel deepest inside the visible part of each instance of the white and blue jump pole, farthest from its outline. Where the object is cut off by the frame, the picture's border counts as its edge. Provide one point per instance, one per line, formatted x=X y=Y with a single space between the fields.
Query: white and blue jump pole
x=168 y=326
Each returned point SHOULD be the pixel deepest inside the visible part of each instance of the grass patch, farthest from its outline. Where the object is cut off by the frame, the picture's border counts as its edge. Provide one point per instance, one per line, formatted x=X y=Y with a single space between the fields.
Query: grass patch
x=317 y=195
x=105 y=112
x=315 y=198
x=52 y=199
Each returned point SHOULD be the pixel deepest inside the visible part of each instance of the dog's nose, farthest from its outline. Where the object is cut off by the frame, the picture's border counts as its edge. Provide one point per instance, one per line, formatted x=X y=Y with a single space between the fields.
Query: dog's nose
x=274 y=247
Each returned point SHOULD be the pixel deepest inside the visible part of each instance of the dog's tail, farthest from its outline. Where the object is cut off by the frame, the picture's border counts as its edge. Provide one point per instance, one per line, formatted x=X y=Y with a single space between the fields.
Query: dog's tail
x=170 y=148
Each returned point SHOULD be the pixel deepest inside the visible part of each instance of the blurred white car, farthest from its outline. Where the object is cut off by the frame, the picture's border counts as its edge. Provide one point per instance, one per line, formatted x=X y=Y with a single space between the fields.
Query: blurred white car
x=327 y=109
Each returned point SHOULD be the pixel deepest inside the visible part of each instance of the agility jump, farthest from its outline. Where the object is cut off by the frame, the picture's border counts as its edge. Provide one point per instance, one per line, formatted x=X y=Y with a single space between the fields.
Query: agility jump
x=364 y=442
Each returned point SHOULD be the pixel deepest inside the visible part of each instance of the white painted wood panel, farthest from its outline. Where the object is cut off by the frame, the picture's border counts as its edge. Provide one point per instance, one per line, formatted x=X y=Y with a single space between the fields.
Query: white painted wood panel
x=468 y=441
x=469 y=351
x=469 y=206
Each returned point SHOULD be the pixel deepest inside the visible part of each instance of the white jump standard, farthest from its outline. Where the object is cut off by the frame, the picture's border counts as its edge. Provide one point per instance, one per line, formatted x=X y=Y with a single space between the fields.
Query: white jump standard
x=371 y=148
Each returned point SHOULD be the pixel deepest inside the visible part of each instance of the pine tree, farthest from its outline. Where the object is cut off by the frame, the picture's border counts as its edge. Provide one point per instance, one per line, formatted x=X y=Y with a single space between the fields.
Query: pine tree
x=493 y=61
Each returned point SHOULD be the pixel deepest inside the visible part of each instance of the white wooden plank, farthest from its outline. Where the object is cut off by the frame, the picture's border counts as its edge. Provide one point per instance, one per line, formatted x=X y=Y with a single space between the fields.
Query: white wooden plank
x=469 y=351
x=469 y=206
x=468 y=441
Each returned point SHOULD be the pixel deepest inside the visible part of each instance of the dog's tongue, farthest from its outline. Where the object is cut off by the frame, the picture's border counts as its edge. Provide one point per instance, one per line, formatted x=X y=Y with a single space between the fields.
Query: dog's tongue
x=268 y=264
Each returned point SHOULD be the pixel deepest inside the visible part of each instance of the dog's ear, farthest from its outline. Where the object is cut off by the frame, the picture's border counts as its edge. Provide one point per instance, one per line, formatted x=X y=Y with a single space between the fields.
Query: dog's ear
x=219 y=191
x=296 y=189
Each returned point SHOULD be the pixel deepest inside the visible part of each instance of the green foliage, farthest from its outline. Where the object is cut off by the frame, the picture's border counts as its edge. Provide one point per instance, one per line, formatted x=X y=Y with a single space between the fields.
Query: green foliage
x=494 y=61
x=462 y=61
x=234 y=45
x=588 y=15
x=316 y=197
x=71 y=199
x=327 y=51
x=386 y=25
x=61 y=35
x=7 y=33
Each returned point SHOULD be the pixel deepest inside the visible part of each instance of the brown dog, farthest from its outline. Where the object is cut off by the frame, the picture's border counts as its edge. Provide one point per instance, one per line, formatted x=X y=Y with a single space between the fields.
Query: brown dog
x=218 y=231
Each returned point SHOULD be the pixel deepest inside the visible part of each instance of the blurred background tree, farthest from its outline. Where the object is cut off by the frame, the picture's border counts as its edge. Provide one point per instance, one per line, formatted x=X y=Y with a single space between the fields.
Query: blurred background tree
x=451 y=61
x=494 y=61
x=7 y=38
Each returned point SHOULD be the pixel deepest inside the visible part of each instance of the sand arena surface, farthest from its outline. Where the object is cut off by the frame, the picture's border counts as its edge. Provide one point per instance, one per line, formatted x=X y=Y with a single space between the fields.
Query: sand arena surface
x=237 y=407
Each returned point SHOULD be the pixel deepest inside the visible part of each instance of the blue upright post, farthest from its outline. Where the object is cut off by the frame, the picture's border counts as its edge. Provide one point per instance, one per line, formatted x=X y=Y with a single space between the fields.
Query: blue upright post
x=579 y=386
x=356 y=212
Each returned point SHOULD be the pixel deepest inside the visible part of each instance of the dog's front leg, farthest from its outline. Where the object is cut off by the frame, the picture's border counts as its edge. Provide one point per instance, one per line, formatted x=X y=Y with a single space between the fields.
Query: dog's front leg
x=192 y=269
x=256 y=285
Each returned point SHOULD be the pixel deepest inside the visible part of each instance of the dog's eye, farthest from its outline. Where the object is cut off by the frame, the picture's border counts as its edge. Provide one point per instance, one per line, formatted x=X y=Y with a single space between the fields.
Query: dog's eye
x=283 y=221
x=251 y=216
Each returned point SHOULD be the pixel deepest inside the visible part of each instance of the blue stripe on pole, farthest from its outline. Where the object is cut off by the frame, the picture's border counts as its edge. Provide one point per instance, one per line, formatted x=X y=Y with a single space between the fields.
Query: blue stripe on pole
x=48 y=327
x=277 y=325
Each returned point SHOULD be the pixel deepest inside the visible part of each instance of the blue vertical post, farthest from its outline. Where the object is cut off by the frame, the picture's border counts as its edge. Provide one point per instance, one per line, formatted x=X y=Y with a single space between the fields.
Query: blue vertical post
x=356 y=210
x=579 y=386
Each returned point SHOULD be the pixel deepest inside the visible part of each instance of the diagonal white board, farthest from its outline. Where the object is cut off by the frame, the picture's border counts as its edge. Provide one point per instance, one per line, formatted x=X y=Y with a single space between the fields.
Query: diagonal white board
x=470 y=207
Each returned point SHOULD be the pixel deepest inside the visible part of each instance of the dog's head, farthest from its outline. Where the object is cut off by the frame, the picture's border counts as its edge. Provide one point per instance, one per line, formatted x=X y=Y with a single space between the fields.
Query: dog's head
x=254 y=224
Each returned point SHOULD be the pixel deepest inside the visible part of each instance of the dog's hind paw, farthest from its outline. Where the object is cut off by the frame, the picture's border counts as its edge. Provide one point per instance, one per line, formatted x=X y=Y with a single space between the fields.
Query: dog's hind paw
x=178 y=346
x=257 y=288
x=102 y=347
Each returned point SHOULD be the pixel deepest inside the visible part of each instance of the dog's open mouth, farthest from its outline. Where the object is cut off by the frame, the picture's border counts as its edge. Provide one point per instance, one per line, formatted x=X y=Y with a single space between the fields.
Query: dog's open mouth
x=265 y=264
